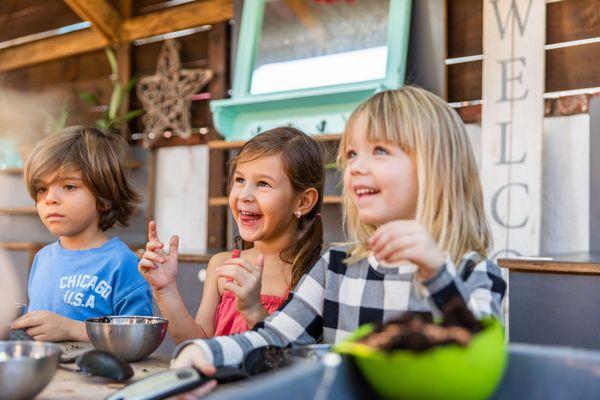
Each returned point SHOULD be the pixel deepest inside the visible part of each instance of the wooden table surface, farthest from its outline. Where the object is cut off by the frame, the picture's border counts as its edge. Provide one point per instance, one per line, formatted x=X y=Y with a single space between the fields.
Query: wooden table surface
x=71 y=385
x=568 y=263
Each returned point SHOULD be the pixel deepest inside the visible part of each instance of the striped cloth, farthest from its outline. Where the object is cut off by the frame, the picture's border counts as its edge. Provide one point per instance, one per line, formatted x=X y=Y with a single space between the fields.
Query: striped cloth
x=333 y=299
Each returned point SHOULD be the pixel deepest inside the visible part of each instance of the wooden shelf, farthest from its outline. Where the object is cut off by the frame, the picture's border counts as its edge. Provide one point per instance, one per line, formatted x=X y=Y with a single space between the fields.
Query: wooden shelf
x=223 y=201
x=184 y=258
x=18 y=171
x=11 y=171
x=18 y=211
x=22 y=246
x=568 y=263
x=218 y=201
x=226 y=145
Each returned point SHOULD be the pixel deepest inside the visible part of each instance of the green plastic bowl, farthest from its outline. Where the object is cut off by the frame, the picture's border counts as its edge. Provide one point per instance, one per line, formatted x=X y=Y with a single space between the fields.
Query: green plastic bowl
x=445 y=372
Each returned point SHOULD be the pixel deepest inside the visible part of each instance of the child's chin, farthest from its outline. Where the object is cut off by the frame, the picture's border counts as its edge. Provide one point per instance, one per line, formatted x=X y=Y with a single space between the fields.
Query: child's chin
x=372 y=218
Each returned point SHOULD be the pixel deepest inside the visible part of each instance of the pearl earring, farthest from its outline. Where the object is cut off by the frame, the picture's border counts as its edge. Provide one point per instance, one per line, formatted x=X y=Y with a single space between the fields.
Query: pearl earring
x=298 y=214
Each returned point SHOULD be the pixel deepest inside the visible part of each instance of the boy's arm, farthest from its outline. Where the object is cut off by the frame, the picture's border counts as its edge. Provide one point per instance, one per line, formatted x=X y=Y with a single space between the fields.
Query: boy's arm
x=47 y=326
x=297 y=322
x=479 y=283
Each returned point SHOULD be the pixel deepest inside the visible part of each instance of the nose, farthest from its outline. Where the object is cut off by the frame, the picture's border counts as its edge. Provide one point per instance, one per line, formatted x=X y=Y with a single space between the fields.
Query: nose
x=358 y=166
x=247 y=193
x=51 y=196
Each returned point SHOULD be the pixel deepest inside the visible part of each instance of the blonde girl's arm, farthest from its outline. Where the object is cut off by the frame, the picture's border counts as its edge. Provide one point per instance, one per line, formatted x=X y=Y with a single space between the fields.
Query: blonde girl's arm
x=478 y=281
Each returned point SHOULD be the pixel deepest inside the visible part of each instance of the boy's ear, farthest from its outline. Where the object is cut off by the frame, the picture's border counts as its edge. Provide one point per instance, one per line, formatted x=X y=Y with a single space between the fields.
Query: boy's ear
x=308 y=199
x=104 y=205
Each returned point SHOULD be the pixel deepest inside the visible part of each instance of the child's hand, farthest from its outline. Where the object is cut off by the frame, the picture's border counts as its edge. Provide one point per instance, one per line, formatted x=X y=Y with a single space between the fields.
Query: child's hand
x=403 y=240
x=193 y=356
x=244 y=281
x=46 y=326
x=157 y=267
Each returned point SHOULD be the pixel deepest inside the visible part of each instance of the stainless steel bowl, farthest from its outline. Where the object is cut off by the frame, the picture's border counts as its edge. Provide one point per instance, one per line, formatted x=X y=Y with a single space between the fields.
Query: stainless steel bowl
x=130 y=337
x=313 y=352
x=26 y=368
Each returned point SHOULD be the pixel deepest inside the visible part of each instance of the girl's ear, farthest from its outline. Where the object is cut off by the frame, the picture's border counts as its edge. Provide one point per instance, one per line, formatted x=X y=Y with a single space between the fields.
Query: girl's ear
x=307 y=200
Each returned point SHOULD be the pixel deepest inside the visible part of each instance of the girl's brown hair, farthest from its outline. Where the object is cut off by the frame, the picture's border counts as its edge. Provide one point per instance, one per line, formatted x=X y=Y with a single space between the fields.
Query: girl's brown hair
x=450 y=197
x=302 y=160
x=101 y=157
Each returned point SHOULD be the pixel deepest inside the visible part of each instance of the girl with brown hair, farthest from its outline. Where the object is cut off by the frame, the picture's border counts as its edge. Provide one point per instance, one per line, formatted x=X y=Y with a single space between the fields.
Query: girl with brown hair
x=275 y=197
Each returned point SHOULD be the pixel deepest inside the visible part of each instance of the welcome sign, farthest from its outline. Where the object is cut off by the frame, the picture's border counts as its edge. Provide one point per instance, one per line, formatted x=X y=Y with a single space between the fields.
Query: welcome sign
x=511 y=159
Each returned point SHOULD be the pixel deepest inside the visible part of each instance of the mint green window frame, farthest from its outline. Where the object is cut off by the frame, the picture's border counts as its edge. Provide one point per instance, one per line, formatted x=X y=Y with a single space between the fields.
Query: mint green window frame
x=245 y=114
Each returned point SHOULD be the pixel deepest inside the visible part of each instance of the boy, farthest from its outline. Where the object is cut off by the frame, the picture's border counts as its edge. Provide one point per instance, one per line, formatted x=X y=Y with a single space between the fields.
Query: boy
x=78 y=179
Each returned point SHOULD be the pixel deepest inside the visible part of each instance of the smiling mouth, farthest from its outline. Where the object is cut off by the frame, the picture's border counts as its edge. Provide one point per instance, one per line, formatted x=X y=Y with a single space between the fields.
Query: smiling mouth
x=247 y=217
x=364 y=192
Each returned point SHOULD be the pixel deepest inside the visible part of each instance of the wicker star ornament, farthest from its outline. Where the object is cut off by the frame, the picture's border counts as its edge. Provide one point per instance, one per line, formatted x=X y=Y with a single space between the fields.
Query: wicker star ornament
x=166 y=95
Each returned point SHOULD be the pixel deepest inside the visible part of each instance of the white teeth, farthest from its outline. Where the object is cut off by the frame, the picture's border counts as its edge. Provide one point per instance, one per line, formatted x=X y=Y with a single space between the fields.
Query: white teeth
x=248 y=213
x=362 y=191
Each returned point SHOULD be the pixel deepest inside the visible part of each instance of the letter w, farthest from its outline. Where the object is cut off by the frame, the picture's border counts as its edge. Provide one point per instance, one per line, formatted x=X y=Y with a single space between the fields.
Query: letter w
x=513 y=9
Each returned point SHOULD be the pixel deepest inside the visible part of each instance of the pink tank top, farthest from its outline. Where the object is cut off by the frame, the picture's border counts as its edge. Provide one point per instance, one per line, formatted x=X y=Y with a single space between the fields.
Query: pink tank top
x=229 y=321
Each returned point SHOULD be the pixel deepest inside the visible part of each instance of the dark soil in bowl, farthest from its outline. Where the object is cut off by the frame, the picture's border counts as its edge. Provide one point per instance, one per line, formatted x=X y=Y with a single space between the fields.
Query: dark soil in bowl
x=418 y=332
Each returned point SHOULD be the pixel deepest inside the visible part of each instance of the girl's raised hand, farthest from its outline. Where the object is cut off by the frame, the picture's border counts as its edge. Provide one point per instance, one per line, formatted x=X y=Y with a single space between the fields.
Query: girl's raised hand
x=244 y=281
x=401 y=240
x=156 y=266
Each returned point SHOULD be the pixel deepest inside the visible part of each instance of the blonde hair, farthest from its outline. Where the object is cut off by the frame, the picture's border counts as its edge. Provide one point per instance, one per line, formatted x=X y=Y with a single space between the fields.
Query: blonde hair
x=101 y=157
x=450 y=197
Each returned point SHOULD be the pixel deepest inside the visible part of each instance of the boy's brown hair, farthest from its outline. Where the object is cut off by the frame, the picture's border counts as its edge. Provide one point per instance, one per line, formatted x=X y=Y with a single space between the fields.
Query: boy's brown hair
x=101 y=157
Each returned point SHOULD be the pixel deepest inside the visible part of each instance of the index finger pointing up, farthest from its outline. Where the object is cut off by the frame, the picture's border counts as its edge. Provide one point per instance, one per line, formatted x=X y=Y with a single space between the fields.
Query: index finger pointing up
x=152 y=233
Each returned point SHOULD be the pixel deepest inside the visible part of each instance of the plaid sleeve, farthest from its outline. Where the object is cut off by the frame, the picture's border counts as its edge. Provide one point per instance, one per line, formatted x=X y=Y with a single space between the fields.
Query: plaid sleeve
x=479 y=282
x=297 y=322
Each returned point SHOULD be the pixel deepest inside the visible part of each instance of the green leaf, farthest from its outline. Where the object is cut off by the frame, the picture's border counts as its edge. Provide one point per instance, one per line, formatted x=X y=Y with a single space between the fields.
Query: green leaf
x=112 y=60
x=90 y=98
x=115 y=101
x=331 y=165
x=132 y=114
x=132 y=82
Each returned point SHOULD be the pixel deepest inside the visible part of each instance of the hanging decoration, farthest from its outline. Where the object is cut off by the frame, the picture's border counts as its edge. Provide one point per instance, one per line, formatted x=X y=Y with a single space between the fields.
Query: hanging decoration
x=166 y=96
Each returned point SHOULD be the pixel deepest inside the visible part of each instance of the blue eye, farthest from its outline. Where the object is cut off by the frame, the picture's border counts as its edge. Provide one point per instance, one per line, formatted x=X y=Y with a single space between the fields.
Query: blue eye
x=239 y=180
x=350 y=154
x=263 y=184
x=380 y=151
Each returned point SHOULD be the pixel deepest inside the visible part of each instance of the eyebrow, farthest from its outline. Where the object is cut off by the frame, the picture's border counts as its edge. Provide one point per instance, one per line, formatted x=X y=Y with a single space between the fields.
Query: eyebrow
x=262 y=176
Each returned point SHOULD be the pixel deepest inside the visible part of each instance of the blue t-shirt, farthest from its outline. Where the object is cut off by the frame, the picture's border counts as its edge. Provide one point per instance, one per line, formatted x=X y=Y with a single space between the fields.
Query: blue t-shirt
x=81 y=284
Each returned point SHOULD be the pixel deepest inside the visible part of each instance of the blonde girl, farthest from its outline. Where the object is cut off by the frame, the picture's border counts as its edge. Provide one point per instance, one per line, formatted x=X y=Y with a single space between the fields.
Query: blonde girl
x=414 y=214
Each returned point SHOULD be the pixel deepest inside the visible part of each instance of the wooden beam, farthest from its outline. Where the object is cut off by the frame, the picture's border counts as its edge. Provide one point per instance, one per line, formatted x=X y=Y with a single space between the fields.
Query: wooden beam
x=191 y=15
x=172 y=19
x=104 y=18
x=50 y=49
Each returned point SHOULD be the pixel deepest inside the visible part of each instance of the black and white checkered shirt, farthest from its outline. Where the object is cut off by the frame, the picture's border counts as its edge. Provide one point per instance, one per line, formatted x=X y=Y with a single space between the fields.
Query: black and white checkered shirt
x=333 y=299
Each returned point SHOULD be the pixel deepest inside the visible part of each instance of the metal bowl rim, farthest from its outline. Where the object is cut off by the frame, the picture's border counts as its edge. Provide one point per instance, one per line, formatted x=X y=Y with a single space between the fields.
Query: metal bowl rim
x=55 y=348
x=156 y=320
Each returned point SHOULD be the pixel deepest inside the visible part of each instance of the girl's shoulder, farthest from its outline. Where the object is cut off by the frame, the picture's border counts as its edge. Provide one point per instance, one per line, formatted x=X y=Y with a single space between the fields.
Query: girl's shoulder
x=218 y=259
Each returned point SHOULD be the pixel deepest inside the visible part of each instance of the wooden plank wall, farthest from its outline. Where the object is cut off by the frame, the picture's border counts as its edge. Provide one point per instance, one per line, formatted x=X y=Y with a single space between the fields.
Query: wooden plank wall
x=90 y=72
x=20 y=18
x=573 y=67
